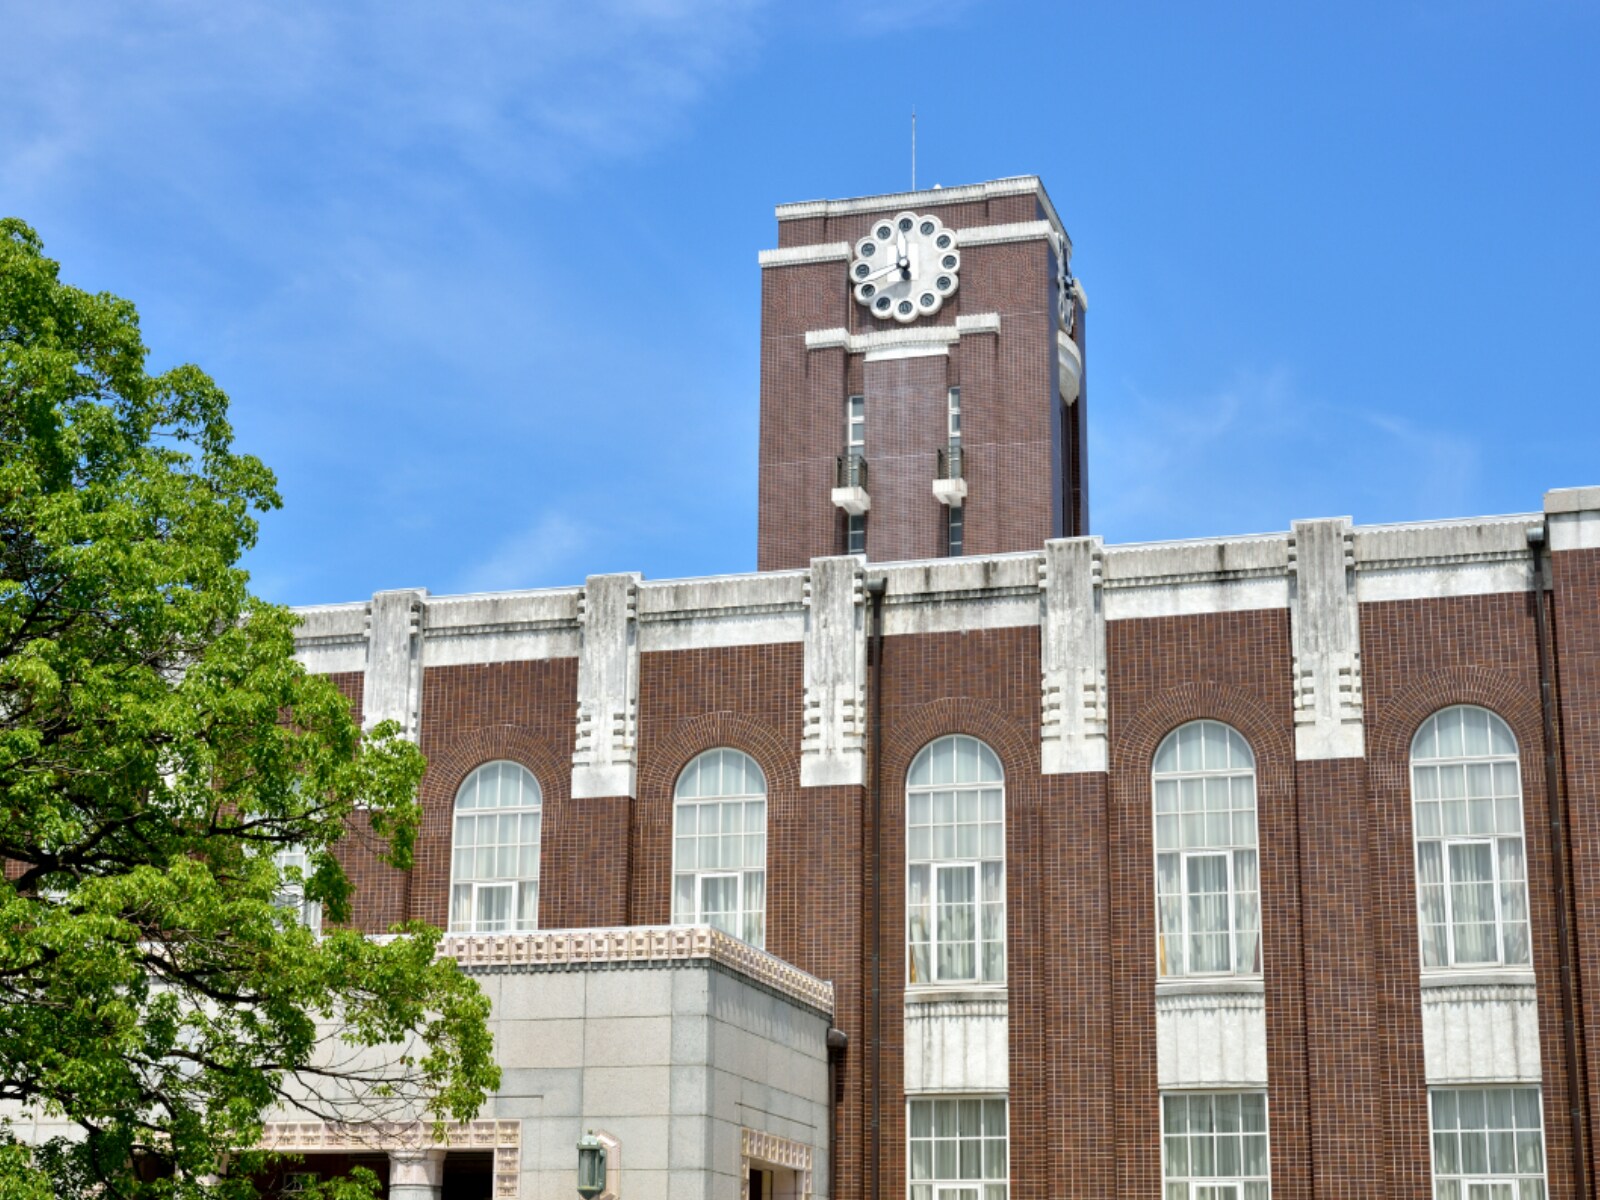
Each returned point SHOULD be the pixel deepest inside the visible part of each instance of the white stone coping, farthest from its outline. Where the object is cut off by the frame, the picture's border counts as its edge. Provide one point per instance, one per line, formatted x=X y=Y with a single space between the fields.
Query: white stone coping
x=637 y=945
x=503 y=1138
x=999 y=235
x=1469 y=556
x=1014 y=185
x=934 y=337
x=794 y=256
x=1572 y=500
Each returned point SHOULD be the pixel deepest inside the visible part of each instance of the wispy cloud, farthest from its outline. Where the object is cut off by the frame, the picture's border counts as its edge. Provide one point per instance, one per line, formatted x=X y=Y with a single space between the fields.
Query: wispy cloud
x=1261 y=450
x=545 y=553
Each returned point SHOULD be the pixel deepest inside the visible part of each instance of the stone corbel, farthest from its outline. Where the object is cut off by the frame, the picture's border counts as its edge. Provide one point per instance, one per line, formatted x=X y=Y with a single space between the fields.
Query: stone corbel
x=1326 y=630
x=1072 y=647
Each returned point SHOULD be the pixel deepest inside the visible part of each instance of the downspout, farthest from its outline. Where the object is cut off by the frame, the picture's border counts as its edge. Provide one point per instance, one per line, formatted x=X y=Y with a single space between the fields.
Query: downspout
x=837 y=1041
x=1556 y=803
x=875 y=590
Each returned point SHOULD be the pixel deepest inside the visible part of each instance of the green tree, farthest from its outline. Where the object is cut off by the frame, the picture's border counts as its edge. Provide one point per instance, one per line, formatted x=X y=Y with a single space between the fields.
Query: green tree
x=160 y=751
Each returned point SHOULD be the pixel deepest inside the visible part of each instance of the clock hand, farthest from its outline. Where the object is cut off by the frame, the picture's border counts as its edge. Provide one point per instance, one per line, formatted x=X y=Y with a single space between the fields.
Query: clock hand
x=878 y=274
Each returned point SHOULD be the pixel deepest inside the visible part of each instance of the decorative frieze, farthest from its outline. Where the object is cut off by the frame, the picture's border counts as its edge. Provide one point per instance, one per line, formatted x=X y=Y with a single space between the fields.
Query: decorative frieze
x=635 y=945
x=604 y=760
x=411 y=1144
x=1326 y=631
x=393 y=690
x=1072 y=652
x=832 y=740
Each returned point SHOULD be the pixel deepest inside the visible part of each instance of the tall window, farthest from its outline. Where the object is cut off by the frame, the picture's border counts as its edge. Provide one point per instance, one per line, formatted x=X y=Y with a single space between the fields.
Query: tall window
x=855 y=442
x=956 y=864
x=957 y=523
x=1208 y=897
x=958 y=1148
x=495 y=852
x=955 y=417
x=855 y=424
x=719 y=845
x=1472 y=881
x=1214 y=1146
x=1488 y=1144
x=294 y=865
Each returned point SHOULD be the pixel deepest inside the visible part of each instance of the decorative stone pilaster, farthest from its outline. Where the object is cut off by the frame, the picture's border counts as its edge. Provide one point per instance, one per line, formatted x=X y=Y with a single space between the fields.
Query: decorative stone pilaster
x=605 y=760
x=393 y=687
x=1326 y=630
x=416 y=1174
x=1072 y=649
x=832 y=743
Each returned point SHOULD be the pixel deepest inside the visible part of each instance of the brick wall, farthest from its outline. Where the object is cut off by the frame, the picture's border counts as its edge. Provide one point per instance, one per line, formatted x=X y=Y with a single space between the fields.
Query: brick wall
x=1017 y=446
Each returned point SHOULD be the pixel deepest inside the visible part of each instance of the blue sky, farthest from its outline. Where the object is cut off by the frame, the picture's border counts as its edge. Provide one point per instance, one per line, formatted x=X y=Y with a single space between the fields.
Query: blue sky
x=481 y=278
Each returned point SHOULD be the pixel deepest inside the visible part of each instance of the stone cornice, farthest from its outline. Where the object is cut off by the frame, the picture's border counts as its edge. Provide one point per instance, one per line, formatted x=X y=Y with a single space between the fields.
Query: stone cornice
x=932 y=337
x=790 y=256
x=1016 y=185
x=635 y=945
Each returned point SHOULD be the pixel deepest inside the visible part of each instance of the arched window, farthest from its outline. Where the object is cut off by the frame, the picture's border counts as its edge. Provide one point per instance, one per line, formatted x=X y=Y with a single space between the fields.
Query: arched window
x=1472 y=879
x=494 y=876
x=719 y=845
x=956 y=864
x=1208 y=893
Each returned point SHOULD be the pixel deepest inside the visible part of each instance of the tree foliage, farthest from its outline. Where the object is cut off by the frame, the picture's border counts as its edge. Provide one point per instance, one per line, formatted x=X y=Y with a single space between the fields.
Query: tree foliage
x=159 y=748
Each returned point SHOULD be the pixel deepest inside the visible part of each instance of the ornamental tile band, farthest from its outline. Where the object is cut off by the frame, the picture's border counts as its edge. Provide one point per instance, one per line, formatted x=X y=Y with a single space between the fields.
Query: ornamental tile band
x=637 y=944
x=504 y=1138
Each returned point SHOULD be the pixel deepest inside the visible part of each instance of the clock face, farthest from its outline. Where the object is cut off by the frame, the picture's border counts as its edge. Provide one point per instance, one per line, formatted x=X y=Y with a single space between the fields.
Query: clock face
x=906 y=267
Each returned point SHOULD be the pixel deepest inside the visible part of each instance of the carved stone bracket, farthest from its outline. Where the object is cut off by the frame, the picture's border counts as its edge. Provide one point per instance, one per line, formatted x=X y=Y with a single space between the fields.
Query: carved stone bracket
x=605 y=758
x=832 y=741
x=1326 y=631
x=1072 y=647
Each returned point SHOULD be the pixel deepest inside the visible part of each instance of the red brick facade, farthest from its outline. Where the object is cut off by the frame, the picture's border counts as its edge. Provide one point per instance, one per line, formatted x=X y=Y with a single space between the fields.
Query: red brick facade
x=1023 y=449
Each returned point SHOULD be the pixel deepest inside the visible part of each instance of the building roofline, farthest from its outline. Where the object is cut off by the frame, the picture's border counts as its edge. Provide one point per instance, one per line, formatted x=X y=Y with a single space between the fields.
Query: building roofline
x=1014 y=185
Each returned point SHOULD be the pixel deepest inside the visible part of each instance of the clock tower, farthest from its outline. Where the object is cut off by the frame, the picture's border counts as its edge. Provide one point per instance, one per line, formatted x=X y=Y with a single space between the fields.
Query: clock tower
x=922 y=383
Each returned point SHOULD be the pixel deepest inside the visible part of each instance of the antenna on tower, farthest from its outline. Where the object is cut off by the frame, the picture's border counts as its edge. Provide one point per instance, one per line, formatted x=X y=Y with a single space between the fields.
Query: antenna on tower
x=913 y=148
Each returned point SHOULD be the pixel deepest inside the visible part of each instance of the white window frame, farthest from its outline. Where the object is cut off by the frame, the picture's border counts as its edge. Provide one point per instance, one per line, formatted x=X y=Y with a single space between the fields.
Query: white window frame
x=700 y=874
x=291 y=895
x=1513 y=1181
x=512 y=924
x=1228 y=852
x=941 y=1188
x=960 y=862
x=953 y=428
x=1184 y=857
x=1446 y=841
x=1194 y=1182
x=1445 y=845
x=855 y=422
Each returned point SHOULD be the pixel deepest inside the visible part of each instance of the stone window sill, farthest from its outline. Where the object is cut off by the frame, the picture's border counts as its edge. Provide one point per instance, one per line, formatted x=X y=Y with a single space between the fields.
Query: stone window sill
x=942 y=995
x=1478 y=978
x=1229 y=985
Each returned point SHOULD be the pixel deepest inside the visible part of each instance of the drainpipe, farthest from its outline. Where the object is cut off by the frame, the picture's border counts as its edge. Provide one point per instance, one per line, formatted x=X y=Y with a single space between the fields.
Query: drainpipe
x=875 y=591
x=837 y=1041
x=1556 y=803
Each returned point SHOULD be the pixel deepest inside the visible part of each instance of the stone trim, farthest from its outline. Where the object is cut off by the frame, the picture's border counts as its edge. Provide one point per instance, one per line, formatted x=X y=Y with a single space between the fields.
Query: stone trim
x=1325 y=628
x=999 y=235
x=770 y=1150
x=1015 y=185
x=932 y=339
x=792 y=256
x=635 y=945
x=313 y=1137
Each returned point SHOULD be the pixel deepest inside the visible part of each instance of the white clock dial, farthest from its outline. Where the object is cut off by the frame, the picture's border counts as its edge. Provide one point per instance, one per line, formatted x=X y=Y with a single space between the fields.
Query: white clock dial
x=905 y=267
